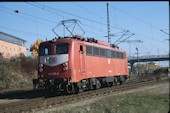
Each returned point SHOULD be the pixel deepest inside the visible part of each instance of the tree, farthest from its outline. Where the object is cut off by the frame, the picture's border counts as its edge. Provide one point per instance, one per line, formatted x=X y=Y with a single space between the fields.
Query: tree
x=34 y=49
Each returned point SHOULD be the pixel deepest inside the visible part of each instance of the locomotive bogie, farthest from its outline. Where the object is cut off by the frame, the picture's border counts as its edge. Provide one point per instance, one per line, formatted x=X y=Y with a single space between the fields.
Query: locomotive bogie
x=63 y=84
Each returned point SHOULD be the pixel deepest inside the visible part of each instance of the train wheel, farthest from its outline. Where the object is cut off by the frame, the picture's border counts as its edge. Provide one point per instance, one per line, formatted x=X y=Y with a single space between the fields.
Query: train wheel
x=76 y=89
x=119 y=80
x=115 y=81
x=69 y=88
x=94 y=86
x=35 y=86
x=98 y=84
x=110 y=84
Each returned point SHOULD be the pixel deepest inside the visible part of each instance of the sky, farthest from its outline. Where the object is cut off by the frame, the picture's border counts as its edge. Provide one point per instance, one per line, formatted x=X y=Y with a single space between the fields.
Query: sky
x=35 y=20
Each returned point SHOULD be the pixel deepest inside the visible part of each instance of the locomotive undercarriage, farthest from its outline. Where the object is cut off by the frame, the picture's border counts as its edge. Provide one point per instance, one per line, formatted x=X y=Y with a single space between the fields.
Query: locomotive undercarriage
x=63 y=84
x=96 y=83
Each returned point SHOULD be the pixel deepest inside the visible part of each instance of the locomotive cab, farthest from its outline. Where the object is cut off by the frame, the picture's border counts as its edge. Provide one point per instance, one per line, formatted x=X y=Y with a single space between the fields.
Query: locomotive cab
x=54 y=67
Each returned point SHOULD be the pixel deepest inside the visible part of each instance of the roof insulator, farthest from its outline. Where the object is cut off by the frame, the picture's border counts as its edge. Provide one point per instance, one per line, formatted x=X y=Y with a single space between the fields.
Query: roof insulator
x=16 y=11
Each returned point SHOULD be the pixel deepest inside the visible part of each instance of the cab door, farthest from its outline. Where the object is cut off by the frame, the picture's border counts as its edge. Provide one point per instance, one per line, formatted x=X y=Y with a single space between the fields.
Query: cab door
x=82 y=57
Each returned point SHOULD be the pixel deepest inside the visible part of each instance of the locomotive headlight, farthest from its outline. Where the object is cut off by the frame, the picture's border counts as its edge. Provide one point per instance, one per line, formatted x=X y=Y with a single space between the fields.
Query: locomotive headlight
x=65 y=64
x=40 y=69
x=65 y=68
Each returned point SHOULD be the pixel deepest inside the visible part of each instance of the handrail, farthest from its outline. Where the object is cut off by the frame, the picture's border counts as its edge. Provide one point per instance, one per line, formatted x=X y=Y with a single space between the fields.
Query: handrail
x=148 y=57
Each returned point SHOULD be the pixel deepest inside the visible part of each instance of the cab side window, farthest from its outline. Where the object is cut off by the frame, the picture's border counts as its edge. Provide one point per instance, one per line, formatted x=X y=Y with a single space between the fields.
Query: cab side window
x=81 y=49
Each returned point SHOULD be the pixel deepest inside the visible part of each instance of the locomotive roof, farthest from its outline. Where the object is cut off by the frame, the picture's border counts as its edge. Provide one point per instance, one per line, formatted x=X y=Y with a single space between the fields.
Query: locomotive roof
x=88 y=41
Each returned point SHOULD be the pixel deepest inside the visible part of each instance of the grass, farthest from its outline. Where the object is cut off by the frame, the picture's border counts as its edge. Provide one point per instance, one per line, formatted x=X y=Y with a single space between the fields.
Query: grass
x=126 y=103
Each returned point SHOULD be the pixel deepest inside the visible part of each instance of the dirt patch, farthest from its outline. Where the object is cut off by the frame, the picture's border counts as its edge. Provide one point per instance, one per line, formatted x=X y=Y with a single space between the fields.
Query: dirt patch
x=7 y=101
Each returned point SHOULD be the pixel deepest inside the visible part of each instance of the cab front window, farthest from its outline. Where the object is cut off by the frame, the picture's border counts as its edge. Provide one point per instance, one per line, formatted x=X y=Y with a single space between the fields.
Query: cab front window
x=62 y=48
x=45 y=50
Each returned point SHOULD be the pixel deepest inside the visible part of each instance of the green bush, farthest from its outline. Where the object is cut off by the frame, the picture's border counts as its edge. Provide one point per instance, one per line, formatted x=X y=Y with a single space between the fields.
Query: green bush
x=4 y=77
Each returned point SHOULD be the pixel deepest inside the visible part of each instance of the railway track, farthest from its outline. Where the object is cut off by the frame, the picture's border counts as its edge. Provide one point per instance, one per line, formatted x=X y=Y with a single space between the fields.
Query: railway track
x=48 y=101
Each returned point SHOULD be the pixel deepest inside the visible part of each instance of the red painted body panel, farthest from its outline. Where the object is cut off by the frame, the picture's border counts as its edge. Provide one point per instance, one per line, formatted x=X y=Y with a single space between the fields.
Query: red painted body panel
x=82 y=66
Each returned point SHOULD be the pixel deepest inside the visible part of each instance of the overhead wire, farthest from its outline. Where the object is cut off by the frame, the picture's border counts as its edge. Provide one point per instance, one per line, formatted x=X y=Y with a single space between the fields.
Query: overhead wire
x=120 y=28
x=74 y=15
x=44 y=19
x=84 y=18
x=39 y=17
x=121 y=37
x=114 y=12
x=93 y=27
x=150 y=38
x=149 y=42
x=125 y=39
x=81 y=23
x=89 y=11
x=66 y=17
x=152 y=26
x=17 y=11
x=25 y=17
x=139 y=19
x=12 y=29
x=19 y=31
x=141 y=48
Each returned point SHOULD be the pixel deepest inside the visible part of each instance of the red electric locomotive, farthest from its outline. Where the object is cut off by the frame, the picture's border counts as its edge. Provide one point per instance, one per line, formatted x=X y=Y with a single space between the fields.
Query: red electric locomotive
x=71 y=64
